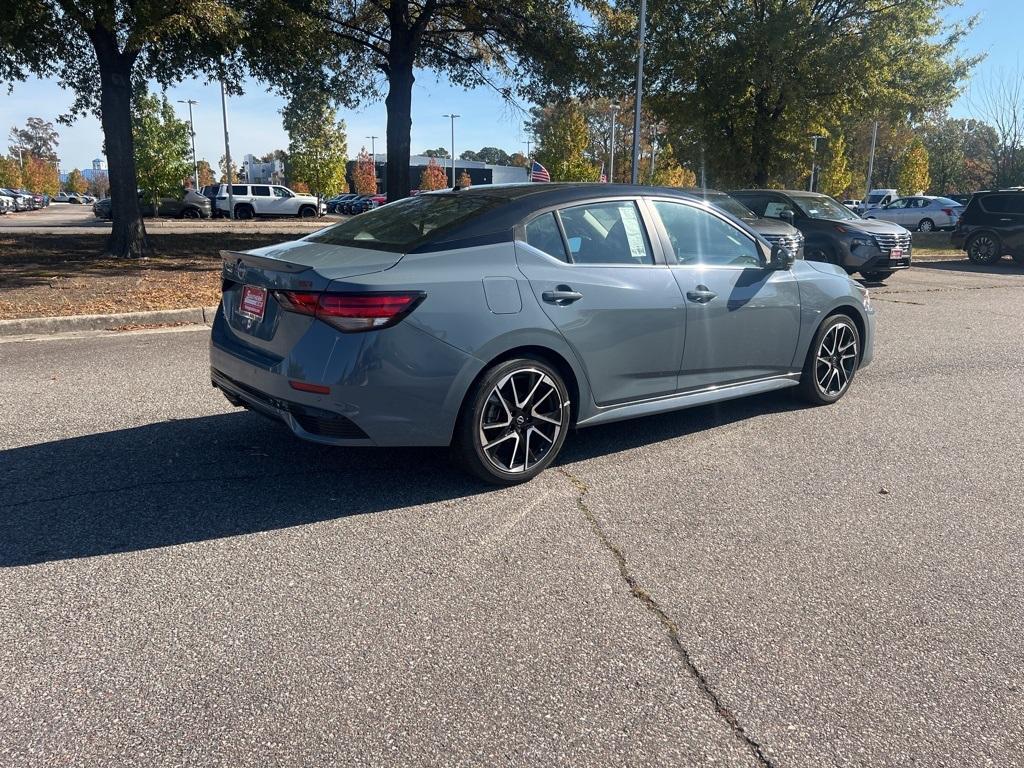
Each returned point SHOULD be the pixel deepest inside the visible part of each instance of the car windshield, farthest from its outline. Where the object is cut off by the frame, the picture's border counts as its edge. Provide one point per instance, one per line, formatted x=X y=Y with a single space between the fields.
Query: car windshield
x=874 y=198
x=821 y=207
x=731 y=206
x=406 y=222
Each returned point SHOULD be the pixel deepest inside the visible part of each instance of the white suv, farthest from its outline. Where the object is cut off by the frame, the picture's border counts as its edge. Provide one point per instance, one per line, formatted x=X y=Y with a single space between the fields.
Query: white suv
x=264 y=200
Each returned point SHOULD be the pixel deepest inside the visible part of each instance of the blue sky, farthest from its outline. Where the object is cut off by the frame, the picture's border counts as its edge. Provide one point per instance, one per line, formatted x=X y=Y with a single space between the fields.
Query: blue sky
x=486 y=120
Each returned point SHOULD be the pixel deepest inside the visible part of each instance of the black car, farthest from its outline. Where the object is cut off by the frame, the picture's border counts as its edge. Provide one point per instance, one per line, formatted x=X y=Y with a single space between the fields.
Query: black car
x=775 y=231
x=833 y=233
x=334 y=204
x=187 y=205
x=992 y=226
x=354 y=205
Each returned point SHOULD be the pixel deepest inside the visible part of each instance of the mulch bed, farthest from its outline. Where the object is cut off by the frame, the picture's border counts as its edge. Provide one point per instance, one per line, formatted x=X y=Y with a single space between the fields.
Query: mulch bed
x=51 y=275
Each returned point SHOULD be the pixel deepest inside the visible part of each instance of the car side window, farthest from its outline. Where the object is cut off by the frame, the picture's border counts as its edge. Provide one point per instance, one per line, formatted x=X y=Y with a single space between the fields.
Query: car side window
x=281 y=192
x=698 y=237
x=606 y=233
x=542 y=233
x=774 y=208
x=756 y=203
x=901 y=203
x=261 y=191
x=237 y=189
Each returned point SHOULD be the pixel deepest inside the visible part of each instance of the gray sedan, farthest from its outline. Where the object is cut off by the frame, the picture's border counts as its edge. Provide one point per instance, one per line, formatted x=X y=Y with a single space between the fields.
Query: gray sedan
x=923 y=213
x=497 y=319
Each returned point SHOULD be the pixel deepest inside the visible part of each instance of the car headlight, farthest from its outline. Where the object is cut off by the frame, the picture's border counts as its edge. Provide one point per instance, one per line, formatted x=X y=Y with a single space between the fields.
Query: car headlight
x=862 y=240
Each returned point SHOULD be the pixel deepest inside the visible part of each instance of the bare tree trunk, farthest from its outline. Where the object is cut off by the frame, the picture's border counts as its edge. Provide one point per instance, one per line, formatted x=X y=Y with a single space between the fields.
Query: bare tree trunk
x=399 y=109
x=128 y=234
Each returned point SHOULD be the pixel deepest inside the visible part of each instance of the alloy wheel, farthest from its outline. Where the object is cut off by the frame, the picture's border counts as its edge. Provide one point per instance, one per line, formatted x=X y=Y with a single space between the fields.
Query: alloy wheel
x=836 y=359
x=983 y=249
x=521 y=420
x=926 y=225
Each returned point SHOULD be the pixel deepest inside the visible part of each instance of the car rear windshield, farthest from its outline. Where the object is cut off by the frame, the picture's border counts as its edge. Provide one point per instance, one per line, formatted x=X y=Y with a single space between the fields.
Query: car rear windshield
x=403 y=224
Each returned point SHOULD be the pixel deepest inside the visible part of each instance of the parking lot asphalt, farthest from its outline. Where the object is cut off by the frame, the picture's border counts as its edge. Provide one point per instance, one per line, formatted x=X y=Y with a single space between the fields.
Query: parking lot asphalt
x=753 y=583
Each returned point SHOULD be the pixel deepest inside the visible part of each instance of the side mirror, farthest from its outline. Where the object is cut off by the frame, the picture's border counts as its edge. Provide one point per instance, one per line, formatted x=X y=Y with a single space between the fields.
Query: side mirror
x=786 y=215
x=781 y=258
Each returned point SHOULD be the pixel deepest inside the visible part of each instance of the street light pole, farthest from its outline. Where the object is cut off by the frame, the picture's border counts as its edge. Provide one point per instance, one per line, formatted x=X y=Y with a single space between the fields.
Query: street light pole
x=373 y=149
x=641 y=33
x=453 y=116
x=227 y=153
x=871 y=161
x=814 y=163
x=192 y=130
x=614 y=108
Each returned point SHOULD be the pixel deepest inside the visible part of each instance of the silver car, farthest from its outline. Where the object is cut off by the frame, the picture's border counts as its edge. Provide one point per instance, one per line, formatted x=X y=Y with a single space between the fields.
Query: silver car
x=496 y=319
x=922 y=213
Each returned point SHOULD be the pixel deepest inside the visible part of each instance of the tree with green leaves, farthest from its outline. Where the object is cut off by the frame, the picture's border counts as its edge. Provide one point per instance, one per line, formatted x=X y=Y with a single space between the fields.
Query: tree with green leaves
x=10 y=172
x=441 y=152
x=913 y=178
x=562 y=143
x=837 y=176
x=330 y=44
x=76 y=182
x=38 y=138
x=745 y=81
x=103 y=50
x=317 y=147
x=162 y=148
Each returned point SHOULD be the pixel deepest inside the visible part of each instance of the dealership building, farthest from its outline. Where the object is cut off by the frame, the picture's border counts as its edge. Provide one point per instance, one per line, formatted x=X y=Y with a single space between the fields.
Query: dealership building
x=479 y=173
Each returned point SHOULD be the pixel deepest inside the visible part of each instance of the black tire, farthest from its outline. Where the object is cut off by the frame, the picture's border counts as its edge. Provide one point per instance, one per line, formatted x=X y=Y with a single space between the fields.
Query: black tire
x=926 y=225
x=984 y=248
x=307 y=212
x=823 y=253
x=877 y=277
x=190 y=213
x=536 y=424
x=828 y=372
x=244 y=211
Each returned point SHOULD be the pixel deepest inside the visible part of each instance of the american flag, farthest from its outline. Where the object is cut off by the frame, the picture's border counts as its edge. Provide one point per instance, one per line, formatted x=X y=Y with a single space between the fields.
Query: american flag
x=539 y=173
x=604 y=176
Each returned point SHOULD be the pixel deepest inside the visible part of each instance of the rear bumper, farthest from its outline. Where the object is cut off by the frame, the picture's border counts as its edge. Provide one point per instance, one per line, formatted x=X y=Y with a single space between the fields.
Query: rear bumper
x=399 y=386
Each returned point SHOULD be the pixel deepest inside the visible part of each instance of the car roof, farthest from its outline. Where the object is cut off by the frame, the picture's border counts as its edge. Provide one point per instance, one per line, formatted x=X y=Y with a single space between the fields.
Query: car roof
x=800 y=192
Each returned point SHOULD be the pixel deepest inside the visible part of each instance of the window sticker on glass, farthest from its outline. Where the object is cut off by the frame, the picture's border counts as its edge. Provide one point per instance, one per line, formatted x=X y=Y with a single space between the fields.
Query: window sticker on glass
x=634 y=235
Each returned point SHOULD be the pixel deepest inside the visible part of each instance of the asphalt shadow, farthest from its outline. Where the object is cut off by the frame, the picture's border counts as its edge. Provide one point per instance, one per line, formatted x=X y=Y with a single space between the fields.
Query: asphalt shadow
x=232 y=474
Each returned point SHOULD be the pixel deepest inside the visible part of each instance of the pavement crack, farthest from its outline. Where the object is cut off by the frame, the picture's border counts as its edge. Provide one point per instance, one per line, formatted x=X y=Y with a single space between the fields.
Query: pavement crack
x=667 y=623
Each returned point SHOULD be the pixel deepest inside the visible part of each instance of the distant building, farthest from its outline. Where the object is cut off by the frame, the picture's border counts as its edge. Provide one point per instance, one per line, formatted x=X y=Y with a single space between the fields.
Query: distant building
x=479 y=173
x=266 y=173
x=99 y=167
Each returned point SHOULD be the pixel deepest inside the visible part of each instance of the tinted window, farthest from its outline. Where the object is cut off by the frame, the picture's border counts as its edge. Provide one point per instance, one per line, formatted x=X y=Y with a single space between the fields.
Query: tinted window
x=261 y=191
x=698 y=237
x=756 y=203
x=239 y=189
x=731 y=206
x=606 y=233
x=542 y=233
x=1003 y=203
x=405 y=223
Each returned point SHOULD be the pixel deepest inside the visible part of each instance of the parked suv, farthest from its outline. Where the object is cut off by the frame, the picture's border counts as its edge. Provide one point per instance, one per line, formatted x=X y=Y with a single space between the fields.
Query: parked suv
x=991 y=226
x=187 y=205
x=775 y=231
x=264 y=200
x=833 y=232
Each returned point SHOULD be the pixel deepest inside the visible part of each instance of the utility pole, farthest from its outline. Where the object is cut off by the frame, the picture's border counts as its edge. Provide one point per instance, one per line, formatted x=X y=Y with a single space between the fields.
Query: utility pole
x=452 y=117
x=814 y=163
x=614 y=108
x=373 y=148
x=871 y=161
x=192 y=130
x=634 y=176
x=227 y=153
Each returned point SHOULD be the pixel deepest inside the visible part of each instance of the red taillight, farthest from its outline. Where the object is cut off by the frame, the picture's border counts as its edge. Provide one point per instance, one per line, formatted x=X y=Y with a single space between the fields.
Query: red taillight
x=948 y=211
x=351 y=312
x=305 y=386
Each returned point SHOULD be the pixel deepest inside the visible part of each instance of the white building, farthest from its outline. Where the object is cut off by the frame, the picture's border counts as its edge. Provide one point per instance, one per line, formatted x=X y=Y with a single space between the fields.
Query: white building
x=266 y=173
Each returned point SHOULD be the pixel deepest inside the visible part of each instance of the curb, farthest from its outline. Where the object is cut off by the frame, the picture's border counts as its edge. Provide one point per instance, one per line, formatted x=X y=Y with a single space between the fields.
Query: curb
x=46 y=325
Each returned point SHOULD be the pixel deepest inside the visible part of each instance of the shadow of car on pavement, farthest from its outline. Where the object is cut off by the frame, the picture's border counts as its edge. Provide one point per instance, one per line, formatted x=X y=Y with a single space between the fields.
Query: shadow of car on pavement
x=192 y=480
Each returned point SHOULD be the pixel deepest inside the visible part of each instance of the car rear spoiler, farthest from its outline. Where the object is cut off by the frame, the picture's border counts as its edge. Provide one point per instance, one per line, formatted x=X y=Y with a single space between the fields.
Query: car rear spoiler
x=233 y=258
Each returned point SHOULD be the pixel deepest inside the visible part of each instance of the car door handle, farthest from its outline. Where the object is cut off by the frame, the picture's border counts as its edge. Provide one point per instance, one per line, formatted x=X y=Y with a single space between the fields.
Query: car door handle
x=702 y=294
x=562 y=295
x=1006 y=219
